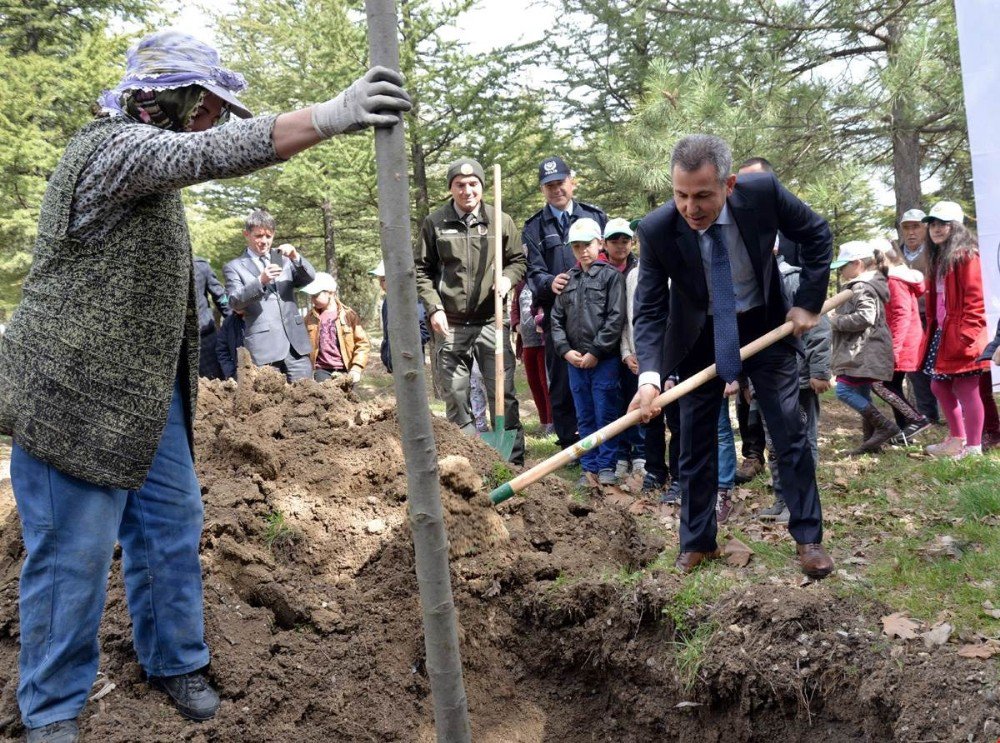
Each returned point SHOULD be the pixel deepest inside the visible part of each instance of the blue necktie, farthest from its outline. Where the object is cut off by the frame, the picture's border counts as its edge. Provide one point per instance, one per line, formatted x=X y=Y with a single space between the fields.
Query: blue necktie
x=727 y=335
x=564 y=224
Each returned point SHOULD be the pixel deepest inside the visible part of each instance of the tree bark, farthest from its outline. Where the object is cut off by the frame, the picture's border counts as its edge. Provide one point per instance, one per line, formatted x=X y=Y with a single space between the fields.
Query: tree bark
x=905 y=138
x=905 y=159
x=430 y=541
x=329 y=245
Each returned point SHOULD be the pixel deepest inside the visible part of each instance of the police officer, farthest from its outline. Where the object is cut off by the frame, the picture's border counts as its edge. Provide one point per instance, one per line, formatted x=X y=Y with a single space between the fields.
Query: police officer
x=549 y=261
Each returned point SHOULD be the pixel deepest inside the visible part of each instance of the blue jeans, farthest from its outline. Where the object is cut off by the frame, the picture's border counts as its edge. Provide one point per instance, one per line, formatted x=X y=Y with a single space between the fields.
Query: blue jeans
x=727 y=449
x=70 y=528
x=631 y=441
x=597 y=398
x=857 y=396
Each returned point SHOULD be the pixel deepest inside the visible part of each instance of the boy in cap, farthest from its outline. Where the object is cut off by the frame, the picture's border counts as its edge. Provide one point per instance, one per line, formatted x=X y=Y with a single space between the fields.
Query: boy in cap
x=588 y=318
x=454 y=265
x=340 y=344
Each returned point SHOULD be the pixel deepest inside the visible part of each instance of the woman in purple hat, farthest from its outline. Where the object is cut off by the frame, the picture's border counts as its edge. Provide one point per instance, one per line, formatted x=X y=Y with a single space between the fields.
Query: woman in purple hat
x=99 y=369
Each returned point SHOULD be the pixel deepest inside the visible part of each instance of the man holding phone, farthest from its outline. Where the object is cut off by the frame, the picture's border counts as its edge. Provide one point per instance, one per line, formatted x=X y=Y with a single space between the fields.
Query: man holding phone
x=262 y=283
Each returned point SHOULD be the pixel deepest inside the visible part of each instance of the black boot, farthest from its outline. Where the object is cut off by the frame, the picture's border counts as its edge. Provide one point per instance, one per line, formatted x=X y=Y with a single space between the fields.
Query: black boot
x=883 y=429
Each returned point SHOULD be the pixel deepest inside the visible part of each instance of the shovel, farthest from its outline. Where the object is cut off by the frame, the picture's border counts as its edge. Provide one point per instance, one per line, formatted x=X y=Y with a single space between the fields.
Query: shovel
x=499 y=438
x=536 y=473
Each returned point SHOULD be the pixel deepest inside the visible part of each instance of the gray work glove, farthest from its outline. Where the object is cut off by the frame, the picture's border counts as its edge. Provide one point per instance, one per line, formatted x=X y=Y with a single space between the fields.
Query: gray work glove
x=375 y=99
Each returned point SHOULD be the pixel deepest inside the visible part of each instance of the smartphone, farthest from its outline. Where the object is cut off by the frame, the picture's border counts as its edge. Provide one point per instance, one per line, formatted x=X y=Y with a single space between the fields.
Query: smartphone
x=276 y=256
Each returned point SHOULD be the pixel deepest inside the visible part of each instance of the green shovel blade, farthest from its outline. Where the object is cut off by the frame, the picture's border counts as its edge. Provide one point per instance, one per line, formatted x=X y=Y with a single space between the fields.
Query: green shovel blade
x=500 y=439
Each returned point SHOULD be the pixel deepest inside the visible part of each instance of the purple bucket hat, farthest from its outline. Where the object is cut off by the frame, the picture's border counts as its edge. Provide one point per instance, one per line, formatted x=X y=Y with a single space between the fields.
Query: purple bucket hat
x=170 y=59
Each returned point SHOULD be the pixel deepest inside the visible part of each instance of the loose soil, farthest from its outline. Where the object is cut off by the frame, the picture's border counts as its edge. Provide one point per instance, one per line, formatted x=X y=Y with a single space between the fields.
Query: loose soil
x=313 y=618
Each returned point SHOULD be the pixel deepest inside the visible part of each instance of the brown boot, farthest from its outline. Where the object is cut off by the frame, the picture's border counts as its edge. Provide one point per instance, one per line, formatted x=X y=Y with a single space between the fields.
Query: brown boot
x=883 y=429
x=814 y=561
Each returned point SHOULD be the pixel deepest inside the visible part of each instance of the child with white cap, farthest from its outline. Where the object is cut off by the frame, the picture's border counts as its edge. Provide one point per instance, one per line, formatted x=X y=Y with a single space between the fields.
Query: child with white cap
x=861 y=342
x=587 y=322
x=340 y=344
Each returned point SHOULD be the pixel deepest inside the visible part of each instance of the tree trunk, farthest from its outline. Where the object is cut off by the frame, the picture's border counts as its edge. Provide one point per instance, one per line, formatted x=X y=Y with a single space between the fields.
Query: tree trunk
x=905 y=138
x=905 y=159
x=430 y=541
x=329 y=246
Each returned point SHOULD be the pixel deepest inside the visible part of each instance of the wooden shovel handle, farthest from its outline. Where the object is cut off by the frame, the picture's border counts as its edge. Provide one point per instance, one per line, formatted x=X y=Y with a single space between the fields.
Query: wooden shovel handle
x=519 y=483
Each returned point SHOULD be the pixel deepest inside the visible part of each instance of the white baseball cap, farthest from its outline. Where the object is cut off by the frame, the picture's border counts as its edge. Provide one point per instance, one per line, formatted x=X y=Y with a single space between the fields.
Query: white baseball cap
x=583 y=231
x=323 y=282
x=946 y=211
x=618 y=226
x=379 y=270
x=852 y=251
x=912 y=215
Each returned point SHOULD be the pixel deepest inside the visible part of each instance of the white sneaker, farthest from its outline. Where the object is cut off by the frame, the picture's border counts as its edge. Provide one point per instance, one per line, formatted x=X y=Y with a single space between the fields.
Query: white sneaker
x=621 y=469
x=969 y=451
x=950 y=447
x=639 y=467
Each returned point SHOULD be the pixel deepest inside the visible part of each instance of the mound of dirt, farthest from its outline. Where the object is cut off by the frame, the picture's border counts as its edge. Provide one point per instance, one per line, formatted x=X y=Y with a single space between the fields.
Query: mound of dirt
x=313 y=617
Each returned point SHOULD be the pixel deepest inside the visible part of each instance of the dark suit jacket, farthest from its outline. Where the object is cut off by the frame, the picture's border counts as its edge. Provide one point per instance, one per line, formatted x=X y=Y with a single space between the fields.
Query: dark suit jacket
x=205 y=285
x=273 y=322
x=668 y=320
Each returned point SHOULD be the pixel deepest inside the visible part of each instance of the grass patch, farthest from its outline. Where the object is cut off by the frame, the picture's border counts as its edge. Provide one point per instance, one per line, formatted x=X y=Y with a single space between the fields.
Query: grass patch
x=701 y=588
x=906 y=509
x=499 y=474
x=689 y=653
x=279 y=532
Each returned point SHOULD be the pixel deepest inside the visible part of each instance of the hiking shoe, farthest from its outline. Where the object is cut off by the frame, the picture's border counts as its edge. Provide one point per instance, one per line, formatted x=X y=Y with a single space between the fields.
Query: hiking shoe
x=64 y=731
x=773 y=511
x=607 y=476
x=639 y=467
x=723 y=505
x=749 y=468
x=621 y=469
x=672 y=496
x=651 y=484
x=909 y=431
x=549 y=429
x=191 y=693
x=584 y=483
x=947 y=448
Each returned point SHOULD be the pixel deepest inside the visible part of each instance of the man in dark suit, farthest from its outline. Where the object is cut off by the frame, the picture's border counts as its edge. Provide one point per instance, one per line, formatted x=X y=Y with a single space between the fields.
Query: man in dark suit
x=206 y=285
x=713 y=243
x=275 y=331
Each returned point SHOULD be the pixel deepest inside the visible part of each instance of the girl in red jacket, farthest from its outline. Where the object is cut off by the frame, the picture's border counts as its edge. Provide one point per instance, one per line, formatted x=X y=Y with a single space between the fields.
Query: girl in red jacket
x=906 y=286
x=956 y=329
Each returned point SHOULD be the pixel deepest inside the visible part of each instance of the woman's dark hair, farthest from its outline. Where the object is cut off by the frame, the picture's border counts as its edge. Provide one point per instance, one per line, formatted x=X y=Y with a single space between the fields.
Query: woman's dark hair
x=960 y=245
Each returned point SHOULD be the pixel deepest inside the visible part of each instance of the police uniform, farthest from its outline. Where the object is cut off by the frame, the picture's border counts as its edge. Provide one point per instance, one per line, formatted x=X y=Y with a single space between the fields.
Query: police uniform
x=544 y=239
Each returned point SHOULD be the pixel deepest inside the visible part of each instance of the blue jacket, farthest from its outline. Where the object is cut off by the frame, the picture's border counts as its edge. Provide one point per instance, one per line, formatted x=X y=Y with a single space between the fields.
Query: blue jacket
x=548 y=254
x=669 y=317
x=230 y=338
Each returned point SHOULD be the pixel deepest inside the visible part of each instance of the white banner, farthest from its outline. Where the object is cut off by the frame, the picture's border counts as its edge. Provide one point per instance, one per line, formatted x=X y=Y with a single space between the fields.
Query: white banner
x=978 y=31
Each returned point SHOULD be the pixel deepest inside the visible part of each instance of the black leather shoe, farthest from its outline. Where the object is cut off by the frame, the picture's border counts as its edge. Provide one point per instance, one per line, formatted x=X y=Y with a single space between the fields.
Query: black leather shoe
x=190 y=693
x=64 y=731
